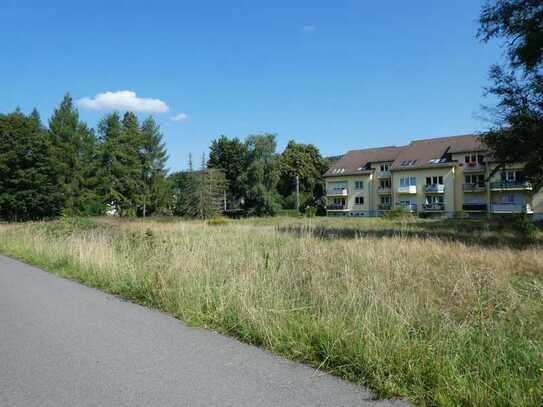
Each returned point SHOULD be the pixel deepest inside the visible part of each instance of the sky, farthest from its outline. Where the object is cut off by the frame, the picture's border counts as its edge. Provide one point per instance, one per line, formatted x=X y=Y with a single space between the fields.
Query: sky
x=341 y=75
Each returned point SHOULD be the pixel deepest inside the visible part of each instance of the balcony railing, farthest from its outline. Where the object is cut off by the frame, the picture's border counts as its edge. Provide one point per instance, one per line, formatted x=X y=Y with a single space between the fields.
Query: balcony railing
x=410 y=189
x=511 y=208
x=433 y=207
x=477 y=187
x=474 y=167
x=337 y=191
x=474 y=207
x=384 y=190
x=384 y=174
x=336 y=207
x=508 y=185
x=385 y=207
x=435 y=188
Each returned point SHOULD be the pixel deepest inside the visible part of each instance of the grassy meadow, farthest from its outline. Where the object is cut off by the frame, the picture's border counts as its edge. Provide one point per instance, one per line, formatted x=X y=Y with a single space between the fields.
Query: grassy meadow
x=445 y=313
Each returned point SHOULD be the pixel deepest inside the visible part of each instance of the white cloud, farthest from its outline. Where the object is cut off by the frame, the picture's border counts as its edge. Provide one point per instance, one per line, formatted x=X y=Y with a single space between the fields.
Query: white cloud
x=180 y=117
x=309 y=28
x=123 y=100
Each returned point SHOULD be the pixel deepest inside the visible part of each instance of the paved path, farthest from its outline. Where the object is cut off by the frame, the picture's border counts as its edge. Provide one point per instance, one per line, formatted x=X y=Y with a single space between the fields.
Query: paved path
x=63 y=344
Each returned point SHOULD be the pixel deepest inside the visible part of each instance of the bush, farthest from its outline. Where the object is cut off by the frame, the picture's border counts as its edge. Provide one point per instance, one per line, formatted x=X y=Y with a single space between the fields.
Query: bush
x=524 y=226
x=396 y=213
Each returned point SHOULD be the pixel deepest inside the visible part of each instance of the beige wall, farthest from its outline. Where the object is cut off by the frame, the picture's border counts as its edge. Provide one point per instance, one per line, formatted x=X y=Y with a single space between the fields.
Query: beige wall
x=350 y=180
x=448 y=180
x=453 y=179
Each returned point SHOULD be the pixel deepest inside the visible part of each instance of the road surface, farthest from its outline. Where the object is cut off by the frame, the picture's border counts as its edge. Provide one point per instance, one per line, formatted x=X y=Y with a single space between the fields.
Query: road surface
x=63 y=344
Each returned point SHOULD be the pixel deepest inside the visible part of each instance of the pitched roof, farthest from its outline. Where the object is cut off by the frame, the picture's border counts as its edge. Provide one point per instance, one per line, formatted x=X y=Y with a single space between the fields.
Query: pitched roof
x=355 y=161
x=435 y=152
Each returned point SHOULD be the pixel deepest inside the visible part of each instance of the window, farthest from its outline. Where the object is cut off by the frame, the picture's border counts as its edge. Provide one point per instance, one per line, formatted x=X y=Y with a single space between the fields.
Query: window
x=434 y=199
x=475 y=179
x=384 y=167
x=359 y=200
x=510 y=199
x=359 y=185
x=408 y=181
x=385 y=200
x=428 y=181
x=385 y=183
x=480 y=159
x=339 y=201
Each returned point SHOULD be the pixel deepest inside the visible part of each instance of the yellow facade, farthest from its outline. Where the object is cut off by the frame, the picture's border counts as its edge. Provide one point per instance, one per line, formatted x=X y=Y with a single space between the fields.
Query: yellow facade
x=461 y=188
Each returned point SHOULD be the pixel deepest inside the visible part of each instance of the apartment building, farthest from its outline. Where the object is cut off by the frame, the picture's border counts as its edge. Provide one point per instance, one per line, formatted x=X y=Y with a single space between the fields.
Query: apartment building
x=439 y=177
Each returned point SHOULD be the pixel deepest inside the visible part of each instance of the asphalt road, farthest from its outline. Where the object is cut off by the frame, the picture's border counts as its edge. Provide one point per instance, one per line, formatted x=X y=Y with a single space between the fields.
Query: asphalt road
x=63 y=344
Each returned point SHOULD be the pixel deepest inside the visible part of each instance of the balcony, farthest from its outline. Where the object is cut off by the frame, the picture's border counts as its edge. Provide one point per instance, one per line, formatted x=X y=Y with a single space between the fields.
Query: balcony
x=385 y=207
x=434 y=188
x=384 y=190
x=478 y=187
x=384 y=174
x=511 y=185
x=337 y=191
x=337 y=207
x=474 y=167
x=474 y=207
x=410 y=189
x=433 y=207
x=511 y=208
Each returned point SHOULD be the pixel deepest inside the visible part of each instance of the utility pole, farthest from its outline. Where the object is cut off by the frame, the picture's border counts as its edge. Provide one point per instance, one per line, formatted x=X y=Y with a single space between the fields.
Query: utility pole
x=298 y=193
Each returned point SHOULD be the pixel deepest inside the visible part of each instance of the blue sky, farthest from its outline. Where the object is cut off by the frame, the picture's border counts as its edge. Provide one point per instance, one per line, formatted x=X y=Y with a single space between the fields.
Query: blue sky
x=341 y=75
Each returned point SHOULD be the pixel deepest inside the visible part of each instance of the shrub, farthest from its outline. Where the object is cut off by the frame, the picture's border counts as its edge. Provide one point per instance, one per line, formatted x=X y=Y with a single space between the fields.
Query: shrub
x=396 y=213
x=524 y=226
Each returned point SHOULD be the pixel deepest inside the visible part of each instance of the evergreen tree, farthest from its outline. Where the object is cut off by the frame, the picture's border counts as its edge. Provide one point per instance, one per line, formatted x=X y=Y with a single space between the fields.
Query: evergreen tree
x=211 y=184
x=120 y=170
x=153 y=158
x=28 y=181
x=185 y=190
x=74 y=149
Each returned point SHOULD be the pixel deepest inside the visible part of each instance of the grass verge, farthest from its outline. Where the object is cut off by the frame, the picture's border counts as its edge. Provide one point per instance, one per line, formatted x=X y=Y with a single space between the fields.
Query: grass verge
x=443 y=313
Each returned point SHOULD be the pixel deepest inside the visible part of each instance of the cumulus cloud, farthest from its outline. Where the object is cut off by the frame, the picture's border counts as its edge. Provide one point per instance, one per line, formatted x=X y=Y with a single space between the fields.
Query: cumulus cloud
x=123 y=100
x=309 y=28
x=180 y=117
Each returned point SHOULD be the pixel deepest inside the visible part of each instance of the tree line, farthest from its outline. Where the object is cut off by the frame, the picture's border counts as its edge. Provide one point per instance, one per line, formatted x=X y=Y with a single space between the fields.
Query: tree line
x=68 y=168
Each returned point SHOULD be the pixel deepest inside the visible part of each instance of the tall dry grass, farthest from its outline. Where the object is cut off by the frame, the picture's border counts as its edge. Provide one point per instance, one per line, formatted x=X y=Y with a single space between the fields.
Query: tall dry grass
x=405 y=307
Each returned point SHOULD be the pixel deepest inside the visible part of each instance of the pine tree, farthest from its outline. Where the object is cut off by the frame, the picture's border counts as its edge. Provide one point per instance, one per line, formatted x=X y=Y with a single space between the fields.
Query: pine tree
x=211 y=190
x=153 y=157
x=74 y=148
x=28 y=181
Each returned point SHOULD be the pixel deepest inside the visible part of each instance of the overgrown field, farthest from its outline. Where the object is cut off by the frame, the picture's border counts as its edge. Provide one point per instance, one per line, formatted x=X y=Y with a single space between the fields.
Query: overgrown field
x=443 y=313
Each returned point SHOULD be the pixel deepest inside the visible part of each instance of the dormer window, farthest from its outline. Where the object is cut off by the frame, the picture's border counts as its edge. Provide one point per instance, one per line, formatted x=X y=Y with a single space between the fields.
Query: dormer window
x=408 y=163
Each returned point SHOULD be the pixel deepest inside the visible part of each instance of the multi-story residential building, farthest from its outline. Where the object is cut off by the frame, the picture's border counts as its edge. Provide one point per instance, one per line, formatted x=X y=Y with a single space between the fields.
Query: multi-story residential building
x=439 y=177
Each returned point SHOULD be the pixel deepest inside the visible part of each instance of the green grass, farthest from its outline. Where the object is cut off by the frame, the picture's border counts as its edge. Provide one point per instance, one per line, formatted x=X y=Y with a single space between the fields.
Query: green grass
x=441 y=312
